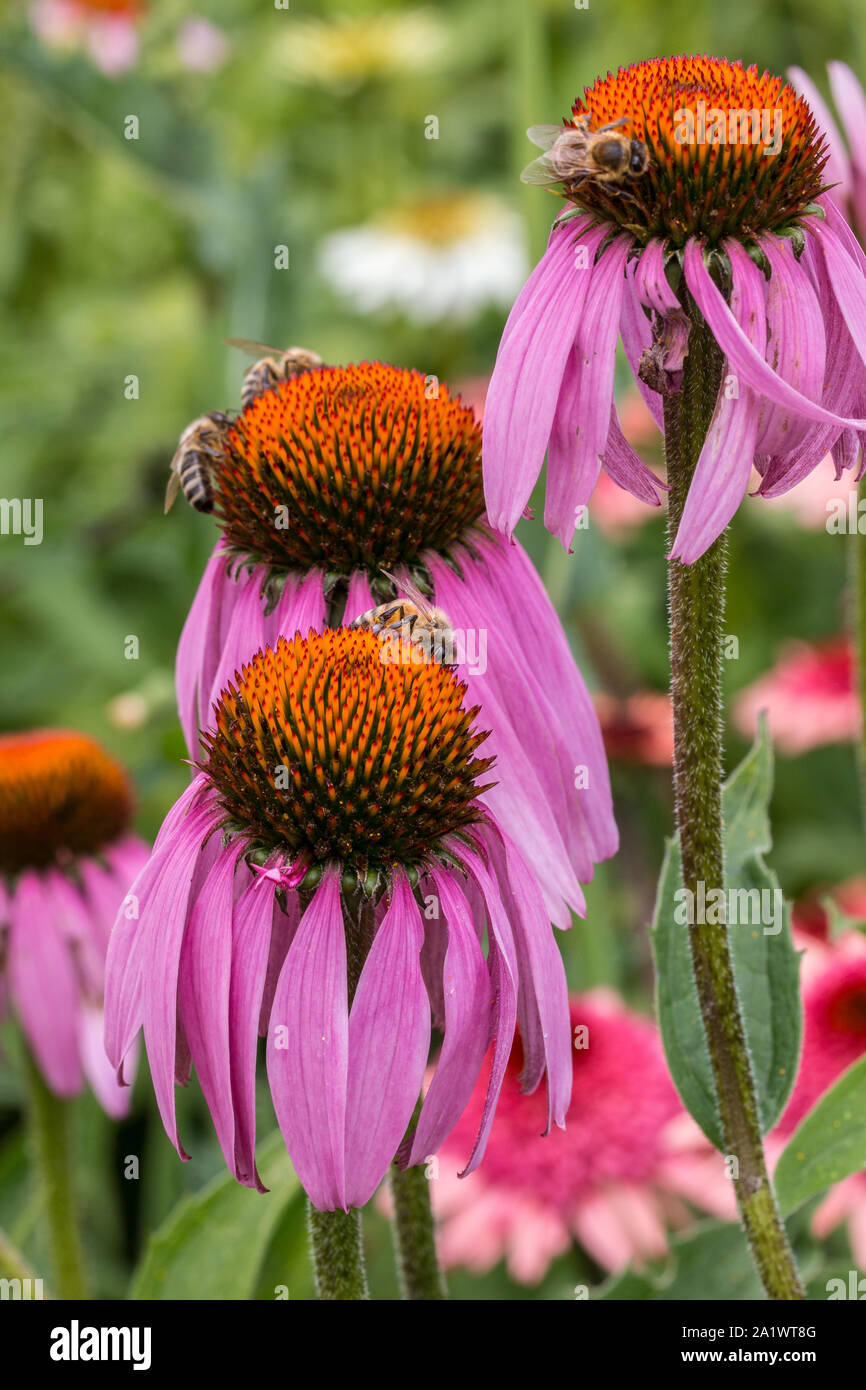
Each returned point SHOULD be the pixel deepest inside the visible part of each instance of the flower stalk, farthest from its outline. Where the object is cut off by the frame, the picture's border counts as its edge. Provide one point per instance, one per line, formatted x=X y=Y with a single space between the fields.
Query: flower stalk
x=50 y=1131
x=697 y=602
x=421 y=1277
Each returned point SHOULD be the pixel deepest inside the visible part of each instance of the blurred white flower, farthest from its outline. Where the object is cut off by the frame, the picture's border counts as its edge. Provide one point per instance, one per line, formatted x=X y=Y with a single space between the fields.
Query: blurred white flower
x=349 y=50
x=201 y=47
x=443 y=257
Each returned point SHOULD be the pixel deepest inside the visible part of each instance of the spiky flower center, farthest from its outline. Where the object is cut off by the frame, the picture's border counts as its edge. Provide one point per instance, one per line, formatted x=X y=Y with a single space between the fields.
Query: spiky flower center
x=347 y=468
x=60 y=796
x=321 y=751
x=732 y=152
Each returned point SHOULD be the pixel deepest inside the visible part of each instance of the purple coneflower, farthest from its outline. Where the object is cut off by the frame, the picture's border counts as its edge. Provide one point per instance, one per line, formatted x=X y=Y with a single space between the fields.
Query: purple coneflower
x=326 y=882
x=67 y=859
x=718 y=214
x=336 y=480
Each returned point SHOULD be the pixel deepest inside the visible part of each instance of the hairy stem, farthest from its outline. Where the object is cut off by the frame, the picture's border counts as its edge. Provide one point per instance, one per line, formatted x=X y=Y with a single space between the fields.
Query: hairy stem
x=421 y=1278
x=697 y=603
x=49 y=1120
x=336 y=1240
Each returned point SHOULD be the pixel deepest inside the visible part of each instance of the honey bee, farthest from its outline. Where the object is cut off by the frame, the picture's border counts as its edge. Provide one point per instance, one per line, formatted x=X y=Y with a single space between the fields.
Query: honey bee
x=413 y=620
x=272 y=367
x=575 y=154
x=191 y=468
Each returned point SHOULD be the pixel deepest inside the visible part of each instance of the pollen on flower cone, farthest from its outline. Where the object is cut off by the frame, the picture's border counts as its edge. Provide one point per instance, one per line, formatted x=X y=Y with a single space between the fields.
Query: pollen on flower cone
x=324 y=747
x=59 y=793
x=347 y=468
x=732 y=151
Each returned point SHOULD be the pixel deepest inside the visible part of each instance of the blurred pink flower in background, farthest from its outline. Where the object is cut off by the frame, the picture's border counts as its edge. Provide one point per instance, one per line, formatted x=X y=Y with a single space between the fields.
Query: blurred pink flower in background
x=637 y=729
x=809 y=697
x=201 y=47
x=834 y=1006
x=106 y=29
x=816 y=498
x=614 y=1180
x=809 y=915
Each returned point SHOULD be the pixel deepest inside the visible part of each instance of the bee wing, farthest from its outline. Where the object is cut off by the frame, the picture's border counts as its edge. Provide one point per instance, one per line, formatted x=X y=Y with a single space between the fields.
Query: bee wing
x=172 y=488
x=540 y=172
x=612 y=125
x=545 y=135
x=412 y=593
x=252 y=348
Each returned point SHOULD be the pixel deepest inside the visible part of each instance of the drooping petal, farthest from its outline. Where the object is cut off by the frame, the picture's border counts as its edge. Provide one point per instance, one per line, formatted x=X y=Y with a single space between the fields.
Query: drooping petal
x=582 y=419
x=795 y=348
x=722 y=473
x=563 y=697
x=520 y=799
x=524 y=388
x=543 y=1011
x=389 y=1041
x=163 y=914
x=651 y=282
x=43 y=984
x=246 y=631
x=308 y=1048
x=746 y=362
x=636 y=332
x=250 y=947
x=112 y=1096
x=849 y=287
x=199 y=648
x=851 y=105
x=628 y=471
x=203 y=994
x=502 y=962
x=467 y=998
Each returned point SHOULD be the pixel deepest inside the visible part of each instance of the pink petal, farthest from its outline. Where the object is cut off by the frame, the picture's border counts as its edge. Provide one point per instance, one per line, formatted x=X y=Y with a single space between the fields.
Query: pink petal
x=42 y=983
x=389 y=1041
x=744 y=359
x=524 y=388
x=308 y=1066
x=467 y=1000
x=582 y=420
x=543 y=1012
x=203 y=994
x=503 y=967
x=837 y=170
x=250 y=948
x=626 y=469
x=112 y=1096
x=851 y=104
x=724 y=467
x=359 y=598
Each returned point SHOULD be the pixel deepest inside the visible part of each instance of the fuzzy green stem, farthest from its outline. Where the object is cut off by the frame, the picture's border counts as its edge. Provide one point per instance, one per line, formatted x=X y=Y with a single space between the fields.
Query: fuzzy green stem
x=336 y=1240
x=50 y=1127
x=697 y=604
x=857 y=558
x=421 y=1279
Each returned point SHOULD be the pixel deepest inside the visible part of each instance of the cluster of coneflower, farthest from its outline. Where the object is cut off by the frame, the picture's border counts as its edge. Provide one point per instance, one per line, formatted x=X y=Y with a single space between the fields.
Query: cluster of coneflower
x=366 y=865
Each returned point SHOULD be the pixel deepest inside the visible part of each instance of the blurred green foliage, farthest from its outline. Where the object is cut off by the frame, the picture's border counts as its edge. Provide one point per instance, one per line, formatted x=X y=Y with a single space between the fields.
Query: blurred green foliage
x=122 y=257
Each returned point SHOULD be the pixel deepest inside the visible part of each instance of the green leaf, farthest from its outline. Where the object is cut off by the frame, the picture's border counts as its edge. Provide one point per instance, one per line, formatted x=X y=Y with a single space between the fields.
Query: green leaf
x=712 y=1263
x=828 y=1145
x=677 y=1007
x=766 y=966
x=214 y=1244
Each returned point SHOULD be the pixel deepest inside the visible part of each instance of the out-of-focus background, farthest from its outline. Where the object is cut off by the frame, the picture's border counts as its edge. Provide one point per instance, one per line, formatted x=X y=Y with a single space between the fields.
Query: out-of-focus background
x=154 y=161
